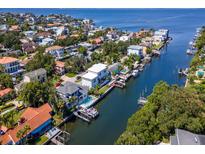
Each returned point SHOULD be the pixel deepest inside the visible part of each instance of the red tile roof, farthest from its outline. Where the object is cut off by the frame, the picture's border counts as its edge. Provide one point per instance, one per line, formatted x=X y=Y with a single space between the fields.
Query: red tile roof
x=5 y=92
x=98 y=40
x=4 y=139
x=34 y=117
x=6 y=60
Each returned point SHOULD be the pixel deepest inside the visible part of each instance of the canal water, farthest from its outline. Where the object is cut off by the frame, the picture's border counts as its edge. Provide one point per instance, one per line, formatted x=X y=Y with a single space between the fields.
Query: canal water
x=120 y=104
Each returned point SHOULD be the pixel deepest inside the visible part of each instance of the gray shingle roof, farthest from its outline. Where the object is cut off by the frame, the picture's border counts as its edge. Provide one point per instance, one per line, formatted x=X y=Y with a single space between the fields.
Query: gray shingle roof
x=68 y=88
x=37 y=72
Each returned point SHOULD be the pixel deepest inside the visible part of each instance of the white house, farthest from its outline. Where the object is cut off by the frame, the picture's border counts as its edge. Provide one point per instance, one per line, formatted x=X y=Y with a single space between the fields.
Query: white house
x=46 y=41
x=90 y=80
x=163 y=34
x=56 y=51
x=30 y=34
x=11 y=65
x=124 y=38
x=135 y=49
x=96 y=75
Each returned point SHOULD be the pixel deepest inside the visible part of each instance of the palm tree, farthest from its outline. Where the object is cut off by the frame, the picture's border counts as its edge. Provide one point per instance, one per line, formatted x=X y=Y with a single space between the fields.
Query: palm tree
x=1 y=68
x=23 y=132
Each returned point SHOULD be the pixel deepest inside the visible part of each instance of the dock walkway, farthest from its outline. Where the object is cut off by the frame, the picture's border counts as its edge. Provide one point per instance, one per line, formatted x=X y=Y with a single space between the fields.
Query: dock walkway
x=86 y=119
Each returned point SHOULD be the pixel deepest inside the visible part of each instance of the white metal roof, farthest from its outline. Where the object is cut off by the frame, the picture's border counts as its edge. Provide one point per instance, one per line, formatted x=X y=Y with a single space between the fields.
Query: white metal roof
x=97 y=67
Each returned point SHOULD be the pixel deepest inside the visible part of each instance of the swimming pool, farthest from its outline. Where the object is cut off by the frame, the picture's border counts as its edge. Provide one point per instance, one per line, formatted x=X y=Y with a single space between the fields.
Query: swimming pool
x=89 y=101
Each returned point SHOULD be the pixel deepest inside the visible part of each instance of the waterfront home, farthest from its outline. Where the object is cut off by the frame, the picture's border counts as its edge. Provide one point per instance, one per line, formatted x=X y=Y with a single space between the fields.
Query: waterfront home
x=162 y=34
x=90 y=80
x=135 y=49
x=112 y=35
x=114 y=68
x=39 y=120
x=157 y=40
x=96 y=75
x=147 y=41
x=36 y=75
x=11 y=65
x=56 y=51
x=60 y=68
x=184 y=137
x=72 y=93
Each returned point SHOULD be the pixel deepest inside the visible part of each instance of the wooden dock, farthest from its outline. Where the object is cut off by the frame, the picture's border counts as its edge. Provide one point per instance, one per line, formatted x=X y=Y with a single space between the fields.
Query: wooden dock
x=83 y=117
x=61 y=138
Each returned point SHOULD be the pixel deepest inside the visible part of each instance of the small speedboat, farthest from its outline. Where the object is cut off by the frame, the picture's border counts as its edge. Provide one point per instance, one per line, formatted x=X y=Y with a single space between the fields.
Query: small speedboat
x=189 y=52
x=135 y=73
x=142 y=101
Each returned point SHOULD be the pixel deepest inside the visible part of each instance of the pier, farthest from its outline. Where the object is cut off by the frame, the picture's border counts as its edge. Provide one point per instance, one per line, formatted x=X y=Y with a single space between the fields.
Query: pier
x=83 y=117
x=57 y=136
x=86 y=114
x=61 y=138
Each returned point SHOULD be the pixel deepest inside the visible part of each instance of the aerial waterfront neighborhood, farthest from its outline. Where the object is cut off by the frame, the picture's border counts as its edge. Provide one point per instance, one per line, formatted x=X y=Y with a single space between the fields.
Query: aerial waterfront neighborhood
x=55 y=69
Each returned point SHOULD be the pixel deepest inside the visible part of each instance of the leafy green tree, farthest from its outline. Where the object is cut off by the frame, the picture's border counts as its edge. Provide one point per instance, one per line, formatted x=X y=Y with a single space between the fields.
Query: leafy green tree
x=75 y=64
x=135 y=41
x=1 y=68
x=168 y=107
x=12 y=40
x=23 y=133
x=34 y=94
x=41 y=60
x=8 y=119
x=82 y=50
x=25 y=26
x=11 y=21
x=6 y=80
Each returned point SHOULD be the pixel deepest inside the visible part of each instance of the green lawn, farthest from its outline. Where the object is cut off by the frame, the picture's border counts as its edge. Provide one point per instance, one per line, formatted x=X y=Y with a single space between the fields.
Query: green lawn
x=70 y=75
x=4 y=107
x=41 y=140
x=103 y=89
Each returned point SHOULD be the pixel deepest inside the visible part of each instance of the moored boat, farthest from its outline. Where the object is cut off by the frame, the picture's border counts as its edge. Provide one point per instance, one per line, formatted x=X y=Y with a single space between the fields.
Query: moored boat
x=135 y=73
